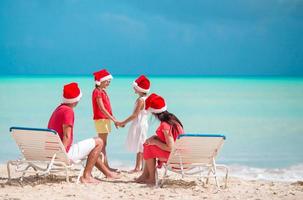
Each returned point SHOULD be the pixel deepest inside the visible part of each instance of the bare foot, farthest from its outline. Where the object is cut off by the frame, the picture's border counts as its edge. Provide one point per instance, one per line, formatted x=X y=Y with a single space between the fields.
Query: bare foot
x=141 y=179
x=135 y=171
x=89 y=180
x=113 y=175
x=150 y=181
x=114 y=169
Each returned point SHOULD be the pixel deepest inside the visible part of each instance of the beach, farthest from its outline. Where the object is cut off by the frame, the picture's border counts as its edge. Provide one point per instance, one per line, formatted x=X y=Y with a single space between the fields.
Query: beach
x=55 y=187
x=261 y=119
x=120 y=86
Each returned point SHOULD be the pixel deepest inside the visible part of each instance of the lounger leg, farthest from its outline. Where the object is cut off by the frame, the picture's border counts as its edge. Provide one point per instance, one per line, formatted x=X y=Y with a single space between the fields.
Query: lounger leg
x=208 y=174
x=182 y=168
x=201 y=175
x=226 y=174
x=225 y=169
x=164 y=176
x=80 y=173
x=23 y=173
x=156 y=178
x=226 y=177
x=67 y=175
x=215 y=173
x=216 y=179
x=8 y=170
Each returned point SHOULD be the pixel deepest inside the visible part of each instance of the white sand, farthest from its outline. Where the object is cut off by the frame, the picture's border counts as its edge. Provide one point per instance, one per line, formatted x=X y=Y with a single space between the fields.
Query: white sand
x=55 y=187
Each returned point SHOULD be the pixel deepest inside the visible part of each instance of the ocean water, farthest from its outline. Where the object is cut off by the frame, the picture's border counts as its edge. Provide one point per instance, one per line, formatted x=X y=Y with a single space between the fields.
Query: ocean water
x=262 y=118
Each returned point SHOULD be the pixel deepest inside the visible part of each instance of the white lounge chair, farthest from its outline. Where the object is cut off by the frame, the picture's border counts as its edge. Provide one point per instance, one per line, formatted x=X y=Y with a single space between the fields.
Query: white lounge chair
x=195 y=153
x=42 y=151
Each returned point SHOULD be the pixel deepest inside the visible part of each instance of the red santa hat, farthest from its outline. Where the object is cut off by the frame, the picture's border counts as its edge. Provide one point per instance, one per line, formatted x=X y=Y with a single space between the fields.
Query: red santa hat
x=155 y=103
x=102 y=75
x=71 y=93
x=142 y=84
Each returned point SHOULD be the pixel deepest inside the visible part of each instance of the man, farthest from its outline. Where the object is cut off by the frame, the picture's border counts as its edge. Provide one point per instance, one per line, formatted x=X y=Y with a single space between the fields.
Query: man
x=62 y=121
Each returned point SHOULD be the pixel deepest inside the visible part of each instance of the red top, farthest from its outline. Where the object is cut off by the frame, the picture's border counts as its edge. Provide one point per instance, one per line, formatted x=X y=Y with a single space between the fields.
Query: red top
x=165 y=126
x=153 y=151
x=98 y=114
x=62 y=115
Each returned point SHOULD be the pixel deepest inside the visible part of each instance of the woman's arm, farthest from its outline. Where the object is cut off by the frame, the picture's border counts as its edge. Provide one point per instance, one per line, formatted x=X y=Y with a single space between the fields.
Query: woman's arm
x=139 y=107
x=102 y=108
x=164 y=146
x=147 y=141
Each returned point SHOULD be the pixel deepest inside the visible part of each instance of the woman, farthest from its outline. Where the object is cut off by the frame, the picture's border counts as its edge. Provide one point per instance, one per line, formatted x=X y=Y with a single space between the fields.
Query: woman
x=159 y=145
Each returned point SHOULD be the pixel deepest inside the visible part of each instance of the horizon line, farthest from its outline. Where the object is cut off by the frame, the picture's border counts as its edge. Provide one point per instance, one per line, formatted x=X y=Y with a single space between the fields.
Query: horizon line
x=152 y=75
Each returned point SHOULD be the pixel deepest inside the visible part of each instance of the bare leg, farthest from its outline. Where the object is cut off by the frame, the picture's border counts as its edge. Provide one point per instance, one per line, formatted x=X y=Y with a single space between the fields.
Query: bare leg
x=103 y=137
x=91 y=161
x=151 y=167
x=139 y=163
x=105 y=170
x=142 y=162
x=145 y=175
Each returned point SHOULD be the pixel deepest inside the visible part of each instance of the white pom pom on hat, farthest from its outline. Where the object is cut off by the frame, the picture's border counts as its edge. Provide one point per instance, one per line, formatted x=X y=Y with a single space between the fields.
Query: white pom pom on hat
x=155 y=103
x=71 y=93
x=142 y=84
x=101 y=76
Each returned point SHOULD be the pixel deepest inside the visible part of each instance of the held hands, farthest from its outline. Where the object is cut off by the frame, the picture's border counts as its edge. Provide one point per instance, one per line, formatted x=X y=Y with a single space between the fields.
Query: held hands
x=119 y=124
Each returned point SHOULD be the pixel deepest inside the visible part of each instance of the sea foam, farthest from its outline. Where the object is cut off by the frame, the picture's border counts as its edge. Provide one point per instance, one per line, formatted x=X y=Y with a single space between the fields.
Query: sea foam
x=289 y=174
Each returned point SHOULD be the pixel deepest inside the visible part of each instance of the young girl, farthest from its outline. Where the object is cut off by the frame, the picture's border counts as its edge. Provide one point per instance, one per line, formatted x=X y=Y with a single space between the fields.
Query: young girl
x=138 y=129
x=102 y=109
x=159 y=145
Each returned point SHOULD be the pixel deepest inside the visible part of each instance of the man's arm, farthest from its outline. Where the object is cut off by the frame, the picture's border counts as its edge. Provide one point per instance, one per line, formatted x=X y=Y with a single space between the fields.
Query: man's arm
x=67 y=135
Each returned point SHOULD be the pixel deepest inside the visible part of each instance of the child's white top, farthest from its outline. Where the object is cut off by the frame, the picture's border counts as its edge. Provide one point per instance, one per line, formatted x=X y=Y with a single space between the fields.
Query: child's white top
x=138 y=131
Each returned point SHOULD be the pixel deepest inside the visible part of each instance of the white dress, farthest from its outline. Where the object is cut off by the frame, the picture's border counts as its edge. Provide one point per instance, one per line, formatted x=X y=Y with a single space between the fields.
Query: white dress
x=137 y=132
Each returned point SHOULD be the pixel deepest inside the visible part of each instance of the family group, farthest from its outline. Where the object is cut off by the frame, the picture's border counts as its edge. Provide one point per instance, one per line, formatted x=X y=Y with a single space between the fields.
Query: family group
x=154 y=150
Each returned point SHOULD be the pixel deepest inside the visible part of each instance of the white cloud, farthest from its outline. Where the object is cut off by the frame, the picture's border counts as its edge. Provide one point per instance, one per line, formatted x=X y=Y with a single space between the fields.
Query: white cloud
x=124 y=25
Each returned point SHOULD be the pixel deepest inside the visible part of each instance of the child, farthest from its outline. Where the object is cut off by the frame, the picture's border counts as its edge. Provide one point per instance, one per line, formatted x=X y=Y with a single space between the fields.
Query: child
x=102 y=109
x=138 y=129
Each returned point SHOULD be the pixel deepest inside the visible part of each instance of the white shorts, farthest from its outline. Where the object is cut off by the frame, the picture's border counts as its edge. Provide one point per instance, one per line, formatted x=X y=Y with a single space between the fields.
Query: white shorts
x=80 y=150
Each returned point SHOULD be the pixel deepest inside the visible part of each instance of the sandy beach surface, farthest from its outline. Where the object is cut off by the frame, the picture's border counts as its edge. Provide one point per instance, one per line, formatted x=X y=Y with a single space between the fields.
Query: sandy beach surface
x=55 y=187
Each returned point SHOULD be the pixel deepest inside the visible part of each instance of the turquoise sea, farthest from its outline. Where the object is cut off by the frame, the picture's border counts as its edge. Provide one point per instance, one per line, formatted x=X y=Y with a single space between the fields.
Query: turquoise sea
x=262 y=118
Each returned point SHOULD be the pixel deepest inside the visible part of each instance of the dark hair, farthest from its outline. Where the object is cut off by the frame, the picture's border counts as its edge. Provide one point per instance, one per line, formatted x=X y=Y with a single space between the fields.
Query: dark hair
x=169 y=118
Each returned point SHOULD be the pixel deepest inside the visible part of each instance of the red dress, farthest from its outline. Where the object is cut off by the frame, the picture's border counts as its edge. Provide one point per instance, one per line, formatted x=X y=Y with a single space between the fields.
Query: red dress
x=153 y=151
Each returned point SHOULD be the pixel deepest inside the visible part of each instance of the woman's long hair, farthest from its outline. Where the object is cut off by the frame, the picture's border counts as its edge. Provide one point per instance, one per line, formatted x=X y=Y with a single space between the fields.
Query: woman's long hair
x=171 y=119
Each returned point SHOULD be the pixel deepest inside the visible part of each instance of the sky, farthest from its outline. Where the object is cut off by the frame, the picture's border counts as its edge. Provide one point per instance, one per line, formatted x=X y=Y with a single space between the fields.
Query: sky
x=158 y=37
